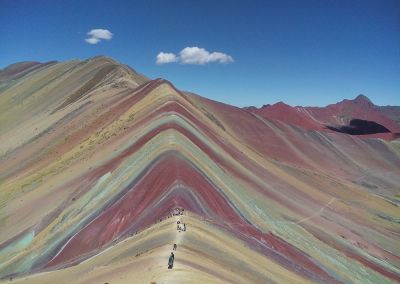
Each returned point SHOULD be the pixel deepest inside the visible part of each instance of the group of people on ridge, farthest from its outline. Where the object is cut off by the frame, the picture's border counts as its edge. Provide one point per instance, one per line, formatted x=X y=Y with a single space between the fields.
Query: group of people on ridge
x=180 y=227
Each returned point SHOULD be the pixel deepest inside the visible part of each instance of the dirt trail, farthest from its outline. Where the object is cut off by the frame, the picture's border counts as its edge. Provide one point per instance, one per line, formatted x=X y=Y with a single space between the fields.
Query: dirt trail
x=333 y=199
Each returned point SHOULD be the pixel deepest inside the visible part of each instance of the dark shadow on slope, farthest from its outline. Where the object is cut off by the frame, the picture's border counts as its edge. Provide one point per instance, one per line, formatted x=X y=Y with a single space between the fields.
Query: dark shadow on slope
x=360 y=127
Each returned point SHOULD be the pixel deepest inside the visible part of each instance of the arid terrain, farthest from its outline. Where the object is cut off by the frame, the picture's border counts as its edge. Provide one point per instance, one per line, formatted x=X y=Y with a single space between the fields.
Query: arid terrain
x=95 y=158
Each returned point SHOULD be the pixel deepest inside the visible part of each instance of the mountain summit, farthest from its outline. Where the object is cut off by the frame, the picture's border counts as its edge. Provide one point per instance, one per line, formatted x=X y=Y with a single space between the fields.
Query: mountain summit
x=362 y=99
x=108 y=176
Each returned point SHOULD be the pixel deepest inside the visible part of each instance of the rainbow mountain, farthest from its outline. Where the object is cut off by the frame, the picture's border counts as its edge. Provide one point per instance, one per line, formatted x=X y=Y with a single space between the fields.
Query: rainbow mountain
x=94 y=157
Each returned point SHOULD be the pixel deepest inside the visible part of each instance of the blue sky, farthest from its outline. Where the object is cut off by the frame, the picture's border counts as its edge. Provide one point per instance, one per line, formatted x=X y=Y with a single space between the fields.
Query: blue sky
x=311 y=52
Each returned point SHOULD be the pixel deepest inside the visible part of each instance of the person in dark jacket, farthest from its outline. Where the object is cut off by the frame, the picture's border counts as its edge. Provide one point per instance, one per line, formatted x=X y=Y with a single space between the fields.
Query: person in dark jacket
x=171 y=261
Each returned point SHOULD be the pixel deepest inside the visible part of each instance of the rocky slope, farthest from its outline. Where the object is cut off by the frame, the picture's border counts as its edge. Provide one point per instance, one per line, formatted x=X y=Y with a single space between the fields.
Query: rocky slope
x=94 y=157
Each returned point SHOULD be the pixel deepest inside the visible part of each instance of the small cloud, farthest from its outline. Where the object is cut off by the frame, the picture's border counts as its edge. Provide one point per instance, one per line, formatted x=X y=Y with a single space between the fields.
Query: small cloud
x=163 y=58
x=194 y=55
x=96 y=35
x=92 y=40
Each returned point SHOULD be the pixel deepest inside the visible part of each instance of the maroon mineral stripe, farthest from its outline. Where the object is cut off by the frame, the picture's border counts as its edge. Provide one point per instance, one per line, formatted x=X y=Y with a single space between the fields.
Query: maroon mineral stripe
x=115 y=162
x=123 y=215
x=132 y=205
x=176 y=107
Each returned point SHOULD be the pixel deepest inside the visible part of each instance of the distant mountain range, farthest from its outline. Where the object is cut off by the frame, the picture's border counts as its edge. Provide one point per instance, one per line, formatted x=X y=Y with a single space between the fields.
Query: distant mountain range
x=382 y=121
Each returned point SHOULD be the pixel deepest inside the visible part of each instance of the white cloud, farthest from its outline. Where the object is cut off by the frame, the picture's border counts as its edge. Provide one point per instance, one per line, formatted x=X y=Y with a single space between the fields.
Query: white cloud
x=163 y=58
x=194 y=55
x=96 y=35
x=92 y=40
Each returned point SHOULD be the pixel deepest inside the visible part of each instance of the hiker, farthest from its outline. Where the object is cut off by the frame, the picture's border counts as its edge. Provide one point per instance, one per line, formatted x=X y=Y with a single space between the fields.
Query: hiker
x=171 y=260
x=184 y=227
x=174 y=247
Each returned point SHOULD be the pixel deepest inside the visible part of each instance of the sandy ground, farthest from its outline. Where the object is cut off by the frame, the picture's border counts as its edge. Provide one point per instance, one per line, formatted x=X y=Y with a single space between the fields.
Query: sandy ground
x=204 y=254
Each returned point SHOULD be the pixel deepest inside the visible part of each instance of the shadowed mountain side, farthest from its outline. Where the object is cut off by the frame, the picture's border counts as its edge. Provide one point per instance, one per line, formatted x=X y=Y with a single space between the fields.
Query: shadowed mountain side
x=120 y=157
x=360 y=127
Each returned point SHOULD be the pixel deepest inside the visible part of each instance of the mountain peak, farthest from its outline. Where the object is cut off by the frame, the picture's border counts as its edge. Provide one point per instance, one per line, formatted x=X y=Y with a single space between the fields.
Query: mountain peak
x=362 y=98
x=281 y=106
